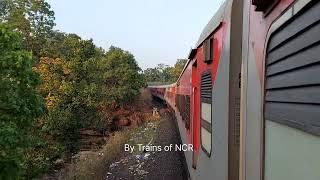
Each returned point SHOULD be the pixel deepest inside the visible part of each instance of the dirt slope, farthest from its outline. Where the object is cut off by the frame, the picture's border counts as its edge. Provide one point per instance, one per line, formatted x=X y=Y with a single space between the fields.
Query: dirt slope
x=152 y=165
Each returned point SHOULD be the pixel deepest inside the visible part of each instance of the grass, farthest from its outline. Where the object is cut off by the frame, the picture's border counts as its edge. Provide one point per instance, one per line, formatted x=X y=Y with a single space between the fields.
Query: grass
x=93 y=165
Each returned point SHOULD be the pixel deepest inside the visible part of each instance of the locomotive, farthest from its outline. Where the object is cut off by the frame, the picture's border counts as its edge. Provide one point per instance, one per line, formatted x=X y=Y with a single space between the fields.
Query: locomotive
x=248 y=99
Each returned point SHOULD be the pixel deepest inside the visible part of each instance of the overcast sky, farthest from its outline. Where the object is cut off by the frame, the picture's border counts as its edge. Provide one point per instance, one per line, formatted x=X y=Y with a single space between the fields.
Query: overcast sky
x=155 y=31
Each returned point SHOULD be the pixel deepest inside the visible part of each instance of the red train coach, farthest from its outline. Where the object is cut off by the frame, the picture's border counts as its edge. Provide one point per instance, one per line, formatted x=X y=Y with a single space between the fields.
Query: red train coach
x=248 y=97
x=207 y=97
x=280 y=90
x=165 y=92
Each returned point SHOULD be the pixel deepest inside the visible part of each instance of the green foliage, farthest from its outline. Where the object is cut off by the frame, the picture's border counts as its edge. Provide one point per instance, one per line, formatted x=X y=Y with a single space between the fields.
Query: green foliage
x=40 y=156
x=178 y=67
x=152 y=75
x=72 y=86
x=163 y=74
x=122 y=76
x=19 y=103
x=33 y=18
x=83 y=80
x=77 y=81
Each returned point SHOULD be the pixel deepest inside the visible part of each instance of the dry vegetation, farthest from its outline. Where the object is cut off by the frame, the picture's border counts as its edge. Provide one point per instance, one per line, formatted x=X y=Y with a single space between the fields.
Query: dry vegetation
x=94 y=163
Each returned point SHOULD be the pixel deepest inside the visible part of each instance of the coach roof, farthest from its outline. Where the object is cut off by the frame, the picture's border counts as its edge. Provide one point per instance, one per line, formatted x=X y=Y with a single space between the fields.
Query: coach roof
x=212 y=25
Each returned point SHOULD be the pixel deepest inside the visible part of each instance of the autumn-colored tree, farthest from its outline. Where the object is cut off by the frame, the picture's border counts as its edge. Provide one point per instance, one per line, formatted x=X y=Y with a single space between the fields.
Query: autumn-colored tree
x=177 y=69
x=19 y=103
x=72 y=86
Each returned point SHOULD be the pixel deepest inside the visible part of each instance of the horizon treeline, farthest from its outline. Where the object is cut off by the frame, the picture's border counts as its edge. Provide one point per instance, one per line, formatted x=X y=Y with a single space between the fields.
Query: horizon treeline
x=164 y=74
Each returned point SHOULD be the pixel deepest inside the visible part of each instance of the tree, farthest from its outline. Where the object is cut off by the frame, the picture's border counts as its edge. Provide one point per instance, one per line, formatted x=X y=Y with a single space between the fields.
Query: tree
x=122 y=76
x=178 y=67
x=72 y=86
x=152 y=75
x=19 y=102
x=76 y=79
x=164 y=74
x=33 y=18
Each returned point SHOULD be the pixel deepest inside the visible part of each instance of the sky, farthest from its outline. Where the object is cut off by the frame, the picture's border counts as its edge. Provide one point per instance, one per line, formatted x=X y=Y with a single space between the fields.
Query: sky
x=154 y=31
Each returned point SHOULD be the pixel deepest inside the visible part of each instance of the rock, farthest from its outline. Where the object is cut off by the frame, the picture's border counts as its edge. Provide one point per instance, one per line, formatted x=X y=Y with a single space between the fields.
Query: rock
x=146 y=156
x=142 y=172
x=136 y=118
x=90 y=132
x=59 y=162
x=124 y=122
x=113 y=165
x=138 y=156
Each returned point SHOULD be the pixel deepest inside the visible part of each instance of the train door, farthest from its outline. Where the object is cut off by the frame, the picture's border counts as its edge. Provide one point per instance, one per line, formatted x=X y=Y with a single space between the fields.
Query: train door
x=195 y=113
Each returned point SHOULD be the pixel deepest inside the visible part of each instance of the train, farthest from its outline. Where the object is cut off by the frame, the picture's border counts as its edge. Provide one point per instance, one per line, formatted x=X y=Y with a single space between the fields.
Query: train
x=248 y=98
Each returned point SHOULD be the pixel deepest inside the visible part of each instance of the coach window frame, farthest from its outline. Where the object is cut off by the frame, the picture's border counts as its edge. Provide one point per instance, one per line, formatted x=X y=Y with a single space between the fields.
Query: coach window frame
x=208 y=50
x=207 y=101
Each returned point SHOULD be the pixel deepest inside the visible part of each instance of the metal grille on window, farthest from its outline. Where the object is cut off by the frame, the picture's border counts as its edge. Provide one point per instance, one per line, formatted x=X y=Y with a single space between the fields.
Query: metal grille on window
x=206 y=111
x=293 y=73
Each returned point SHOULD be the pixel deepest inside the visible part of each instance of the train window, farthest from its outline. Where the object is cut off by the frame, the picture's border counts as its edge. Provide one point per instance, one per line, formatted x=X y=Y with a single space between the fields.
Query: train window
x=208 y=50
x=292 y=100
x=183 y=106
x=211 y=49
x=187 y=111
x=264 y=5
x=206 y=111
